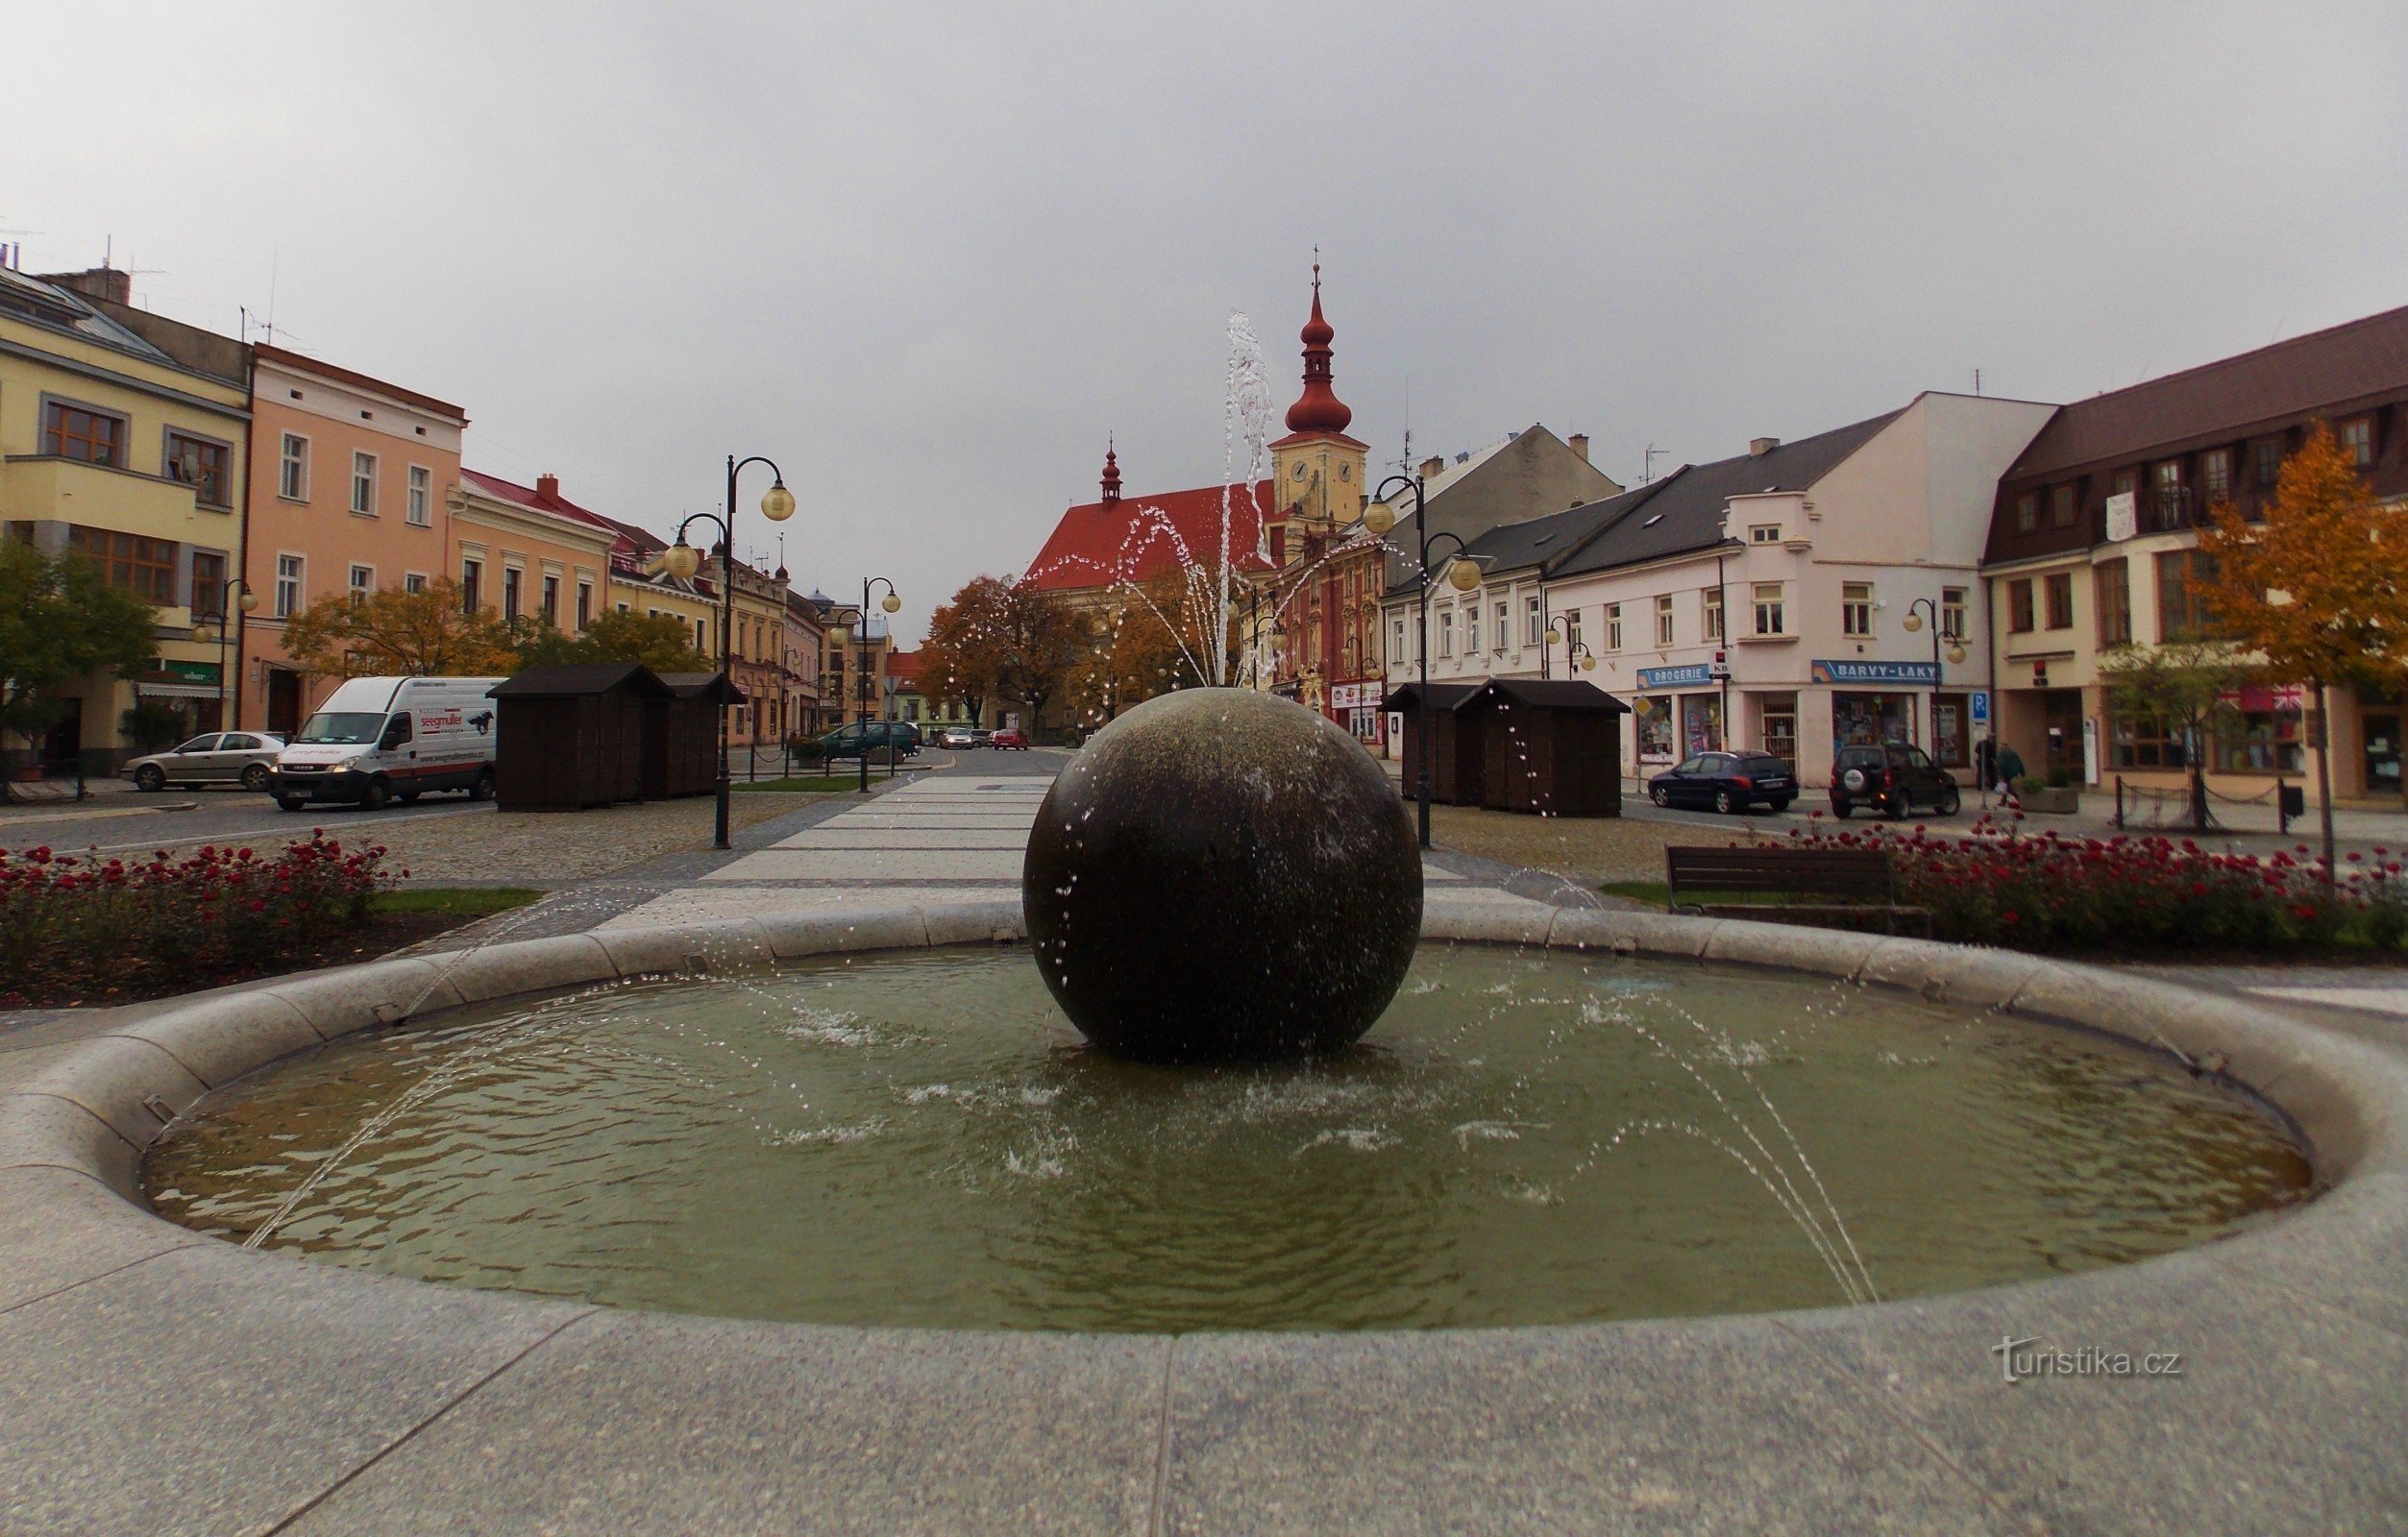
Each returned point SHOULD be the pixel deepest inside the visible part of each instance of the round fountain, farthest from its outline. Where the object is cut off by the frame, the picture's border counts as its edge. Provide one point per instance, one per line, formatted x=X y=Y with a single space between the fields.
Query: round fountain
x=1223 y=875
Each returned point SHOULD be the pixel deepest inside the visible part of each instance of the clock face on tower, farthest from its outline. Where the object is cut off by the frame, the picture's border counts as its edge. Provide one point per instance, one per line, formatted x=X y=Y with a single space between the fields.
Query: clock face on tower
x=1299 y=469
x=1345 y=472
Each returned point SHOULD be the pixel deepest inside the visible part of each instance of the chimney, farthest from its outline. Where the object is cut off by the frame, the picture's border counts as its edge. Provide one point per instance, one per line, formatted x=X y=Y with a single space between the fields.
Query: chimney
x=547 y=487
x=1580 y=445
x=1429 y=467
x=97 y=283
x=1758 y=448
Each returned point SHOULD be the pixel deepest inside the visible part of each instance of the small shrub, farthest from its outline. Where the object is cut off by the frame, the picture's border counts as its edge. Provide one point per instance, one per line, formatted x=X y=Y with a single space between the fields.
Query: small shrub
x=2031 y=785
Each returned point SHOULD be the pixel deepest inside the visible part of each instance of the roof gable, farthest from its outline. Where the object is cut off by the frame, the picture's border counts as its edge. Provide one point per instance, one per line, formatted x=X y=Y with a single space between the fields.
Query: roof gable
x=1103 y=544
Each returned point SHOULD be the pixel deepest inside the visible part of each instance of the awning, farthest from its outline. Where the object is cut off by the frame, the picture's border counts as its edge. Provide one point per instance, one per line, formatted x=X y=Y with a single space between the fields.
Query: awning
x=176 y=690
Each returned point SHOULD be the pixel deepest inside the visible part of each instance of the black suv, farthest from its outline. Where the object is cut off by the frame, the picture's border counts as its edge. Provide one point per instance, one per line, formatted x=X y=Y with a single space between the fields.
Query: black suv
x=1892 y=777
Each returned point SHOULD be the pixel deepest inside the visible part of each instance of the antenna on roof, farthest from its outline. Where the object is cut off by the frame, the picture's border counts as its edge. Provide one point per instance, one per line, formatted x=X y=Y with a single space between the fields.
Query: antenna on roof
x=1977 y=381
x=1647 y=469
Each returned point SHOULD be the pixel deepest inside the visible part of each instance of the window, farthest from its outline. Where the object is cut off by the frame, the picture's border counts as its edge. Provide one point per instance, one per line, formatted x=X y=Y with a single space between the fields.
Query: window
x=1505 y=626
x=1709 y=613
x=2266 y=463
x=1446 y=633
x=2060 y=589
x=1953 y=612
x=292 y=469
x=1663 y=620
x=2181 y=608
x=2146 y=742
x=2215 y=471
x=511 y=579
x=1613 y=626
x=420 y=505
x=472 y=583
x=2260 y=741
x=143 y=567
x=1571 y=627
x=202 y=465
x=2126 y=481
x=78 y=432
x=1770 y=619
x=584 y=603
x=288 y=586
x=702 y=644
x=414 y=581
x=363 y=484
x=552 y=600
x=2357 y=436
x=1398 y=649
x=1856 y=608
x=1533 y=628
x=2018 y=611
x=209 y=586
x=2111 y=590
x=2028 y=513
x=2061 y=506
x=1764 y=534
x=363 y=581
x=1471 y=630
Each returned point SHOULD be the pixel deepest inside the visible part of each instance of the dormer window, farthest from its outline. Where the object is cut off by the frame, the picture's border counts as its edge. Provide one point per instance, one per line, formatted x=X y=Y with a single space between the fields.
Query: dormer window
x=1764 y=534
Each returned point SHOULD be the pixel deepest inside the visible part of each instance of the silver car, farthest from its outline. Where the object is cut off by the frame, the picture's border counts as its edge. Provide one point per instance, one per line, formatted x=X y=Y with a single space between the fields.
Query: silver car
x=212 y=758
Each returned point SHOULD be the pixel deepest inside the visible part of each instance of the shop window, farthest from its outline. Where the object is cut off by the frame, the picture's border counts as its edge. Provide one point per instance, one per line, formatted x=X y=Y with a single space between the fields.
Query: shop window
x=2146 y=742
x=1868 y=719
x=1953 y=613
x=2028 y=513
x=202 y=465
x=1701 y=723
x=2062 y=507
x=2019 y=610
x=1663 y=620
x=1710 y=605
x=2060 y=589
x=2112 y=591
x=292 y=469
x=130 y=562
x=2357 y=437
x=1651 y=718
x=1613 y=626
x=79 y=432
x=1856 y=608
x=1952 y=742
x=1771 y=609
x=2260 y=741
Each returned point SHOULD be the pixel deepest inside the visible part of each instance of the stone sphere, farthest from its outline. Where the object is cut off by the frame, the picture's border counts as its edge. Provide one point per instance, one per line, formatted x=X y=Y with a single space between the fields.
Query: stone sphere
x=1223 y=875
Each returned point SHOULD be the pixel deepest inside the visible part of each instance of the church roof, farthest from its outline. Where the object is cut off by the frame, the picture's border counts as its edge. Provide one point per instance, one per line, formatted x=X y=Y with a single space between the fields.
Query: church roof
x=1103 y=544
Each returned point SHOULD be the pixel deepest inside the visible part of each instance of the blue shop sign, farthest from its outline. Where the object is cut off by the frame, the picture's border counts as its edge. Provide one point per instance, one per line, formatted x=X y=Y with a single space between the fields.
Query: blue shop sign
x=1982 y=707
x=1676 y=677
x=1920 y=674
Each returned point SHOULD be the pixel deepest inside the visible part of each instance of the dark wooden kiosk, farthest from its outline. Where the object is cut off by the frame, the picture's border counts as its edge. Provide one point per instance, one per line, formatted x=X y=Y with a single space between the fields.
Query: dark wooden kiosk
x=681 y=734
x=572 y=736
x=1457 y=762
x=1546 y=746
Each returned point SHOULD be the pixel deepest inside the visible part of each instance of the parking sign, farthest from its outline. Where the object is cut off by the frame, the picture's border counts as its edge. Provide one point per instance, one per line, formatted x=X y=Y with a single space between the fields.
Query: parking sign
x=1982 y=707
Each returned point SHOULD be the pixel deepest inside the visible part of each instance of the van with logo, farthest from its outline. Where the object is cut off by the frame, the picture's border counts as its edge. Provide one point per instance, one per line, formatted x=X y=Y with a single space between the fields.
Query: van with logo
x=381 y=740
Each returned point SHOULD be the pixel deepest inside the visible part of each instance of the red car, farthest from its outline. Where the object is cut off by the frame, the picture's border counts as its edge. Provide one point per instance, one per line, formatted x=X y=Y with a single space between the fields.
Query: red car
x=1009 y=738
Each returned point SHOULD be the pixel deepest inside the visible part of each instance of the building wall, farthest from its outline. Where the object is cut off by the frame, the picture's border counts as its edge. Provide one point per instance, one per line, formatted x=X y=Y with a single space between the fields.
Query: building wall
x=336 y=418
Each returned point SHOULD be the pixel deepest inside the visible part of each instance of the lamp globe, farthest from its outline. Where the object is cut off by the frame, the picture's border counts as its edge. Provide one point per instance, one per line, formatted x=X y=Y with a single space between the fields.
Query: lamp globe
x=777 y=503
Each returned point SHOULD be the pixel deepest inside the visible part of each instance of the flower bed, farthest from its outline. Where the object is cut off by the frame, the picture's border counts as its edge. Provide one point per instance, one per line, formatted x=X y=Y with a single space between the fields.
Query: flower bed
x=2054 y=893
x=104 y=925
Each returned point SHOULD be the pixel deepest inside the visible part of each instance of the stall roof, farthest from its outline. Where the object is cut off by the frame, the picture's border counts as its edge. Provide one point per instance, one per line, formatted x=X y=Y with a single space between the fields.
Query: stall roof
x=1550 y=693
x=700 y=685
x=1443 y=695
x=571 y=680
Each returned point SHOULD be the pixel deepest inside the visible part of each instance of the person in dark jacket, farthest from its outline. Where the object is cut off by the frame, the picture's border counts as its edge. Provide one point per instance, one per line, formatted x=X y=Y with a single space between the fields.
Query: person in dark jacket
x=2011 y=769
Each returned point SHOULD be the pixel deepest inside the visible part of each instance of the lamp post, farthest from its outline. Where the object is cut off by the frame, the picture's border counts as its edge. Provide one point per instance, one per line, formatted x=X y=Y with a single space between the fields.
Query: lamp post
x=229 y=716
x=777 y=505
x=1955 y=653
x=892 y=603
x=1577 y=656
x=1462 y=575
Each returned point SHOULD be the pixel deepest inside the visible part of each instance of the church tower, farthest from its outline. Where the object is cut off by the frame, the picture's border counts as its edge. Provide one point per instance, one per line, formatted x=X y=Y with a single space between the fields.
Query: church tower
x=1318 y=470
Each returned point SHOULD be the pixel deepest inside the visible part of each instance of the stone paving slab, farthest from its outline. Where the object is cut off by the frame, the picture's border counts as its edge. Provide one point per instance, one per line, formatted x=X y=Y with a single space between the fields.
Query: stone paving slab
x=874 y=865
x=789 y=1429
x=845 y=835
x=710 y=904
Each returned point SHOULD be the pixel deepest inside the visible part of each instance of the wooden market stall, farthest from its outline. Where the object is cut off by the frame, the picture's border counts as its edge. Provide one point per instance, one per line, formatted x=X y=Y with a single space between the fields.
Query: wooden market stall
x=681 y=734
x=1456 y=759
x=572 y=736
x=1550 y=747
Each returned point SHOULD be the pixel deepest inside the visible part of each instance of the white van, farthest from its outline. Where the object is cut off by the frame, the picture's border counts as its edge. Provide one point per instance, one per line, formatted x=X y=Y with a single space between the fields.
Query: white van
x=378 y=740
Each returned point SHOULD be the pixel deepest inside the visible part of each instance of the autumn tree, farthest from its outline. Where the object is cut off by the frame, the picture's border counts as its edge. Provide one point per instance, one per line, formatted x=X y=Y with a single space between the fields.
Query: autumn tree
x=2318 y=591
x=661 y=641
x=999 y=638
x=60 y=621
x=2184 y=686
x=390 y=631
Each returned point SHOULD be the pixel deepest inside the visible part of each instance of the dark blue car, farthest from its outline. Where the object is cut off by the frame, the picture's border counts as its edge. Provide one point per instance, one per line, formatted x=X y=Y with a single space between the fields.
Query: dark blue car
x=1728 y=782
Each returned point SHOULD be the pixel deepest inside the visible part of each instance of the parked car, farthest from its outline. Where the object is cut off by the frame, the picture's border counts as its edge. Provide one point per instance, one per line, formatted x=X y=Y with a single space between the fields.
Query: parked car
x=212 y=758
x=1729 y=782
x=1013 y=740
x=956 y=737
x=850 y=740
x=982 y=737
x=1891 y=777
x=379 y=740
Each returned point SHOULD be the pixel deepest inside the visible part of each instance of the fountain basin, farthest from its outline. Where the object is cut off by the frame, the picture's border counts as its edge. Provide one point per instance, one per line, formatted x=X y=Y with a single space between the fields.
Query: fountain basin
x=155 y=1379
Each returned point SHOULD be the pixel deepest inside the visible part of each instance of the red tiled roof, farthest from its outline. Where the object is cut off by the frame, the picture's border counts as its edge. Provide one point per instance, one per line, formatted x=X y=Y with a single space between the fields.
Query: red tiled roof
x=903 y=665
x=559 y=506
x=1100 y=543
x=2324 y=369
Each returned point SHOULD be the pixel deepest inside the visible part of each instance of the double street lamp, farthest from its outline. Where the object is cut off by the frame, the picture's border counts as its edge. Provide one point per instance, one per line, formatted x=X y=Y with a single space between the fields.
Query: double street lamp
x=1462 y=574
x=893 y=604
x=228 y=717
x=683 y=560
x=1955 y=653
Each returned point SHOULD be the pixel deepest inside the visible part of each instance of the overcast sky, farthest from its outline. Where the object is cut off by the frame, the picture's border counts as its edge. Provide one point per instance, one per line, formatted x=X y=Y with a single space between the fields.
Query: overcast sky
x=926 y=256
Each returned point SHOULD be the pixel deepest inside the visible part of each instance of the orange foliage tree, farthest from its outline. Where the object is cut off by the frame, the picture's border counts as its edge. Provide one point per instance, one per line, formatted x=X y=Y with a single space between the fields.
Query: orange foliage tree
x=2318 y=590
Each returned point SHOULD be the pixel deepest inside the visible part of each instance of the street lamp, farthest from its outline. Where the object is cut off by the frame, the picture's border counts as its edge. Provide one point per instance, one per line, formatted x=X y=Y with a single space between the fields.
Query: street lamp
x=1462 y=575
x=683 y=560
x=893 y=604
x=229 y=718
x=1955 y=653
x=1576 y=653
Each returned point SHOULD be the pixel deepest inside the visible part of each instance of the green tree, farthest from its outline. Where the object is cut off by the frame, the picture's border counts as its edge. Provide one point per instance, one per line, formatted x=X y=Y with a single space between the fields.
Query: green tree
x=2185 y=686
x=60 y=622
x=661 y=641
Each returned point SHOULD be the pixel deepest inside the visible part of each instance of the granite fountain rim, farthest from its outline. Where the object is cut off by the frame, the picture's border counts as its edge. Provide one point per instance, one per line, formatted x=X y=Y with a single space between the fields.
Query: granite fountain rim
x=72 y=1130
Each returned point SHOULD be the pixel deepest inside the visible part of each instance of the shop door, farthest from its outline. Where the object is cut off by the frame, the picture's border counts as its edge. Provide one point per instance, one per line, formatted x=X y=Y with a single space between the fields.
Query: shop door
x=2382 y=754
x=1780 y=736
x=283 y=702
x=64 y=743
x=2062 y=709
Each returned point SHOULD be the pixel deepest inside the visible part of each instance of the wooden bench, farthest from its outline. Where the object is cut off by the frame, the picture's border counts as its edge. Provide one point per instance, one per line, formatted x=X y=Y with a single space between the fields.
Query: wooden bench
x=1862 y=875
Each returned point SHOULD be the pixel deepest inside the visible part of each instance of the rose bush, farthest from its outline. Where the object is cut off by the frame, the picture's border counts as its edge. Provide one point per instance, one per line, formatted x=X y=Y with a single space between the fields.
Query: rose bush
x=67 y=921
x=2052 y=892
